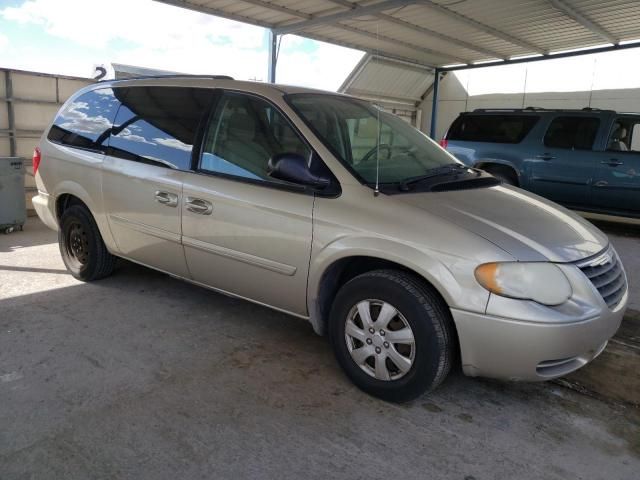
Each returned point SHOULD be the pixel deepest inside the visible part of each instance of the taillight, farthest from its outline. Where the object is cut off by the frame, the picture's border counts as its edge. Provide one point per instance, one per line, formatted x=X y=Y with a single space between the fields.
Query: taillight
x=37 y=156
x=444 y=143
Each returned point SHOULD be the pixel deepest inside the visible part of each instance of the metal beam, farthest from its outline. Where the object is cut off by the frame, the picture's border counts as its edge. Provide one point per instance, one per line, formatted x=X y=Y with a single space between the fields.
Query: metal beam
x=583 y=20
x=355 y=11
x=441 y=36
x=8 y=85
x=483 y=28
x=273 y=56
x=434 y=105
x=575 y=53
x=401 y=43
x=378 y=52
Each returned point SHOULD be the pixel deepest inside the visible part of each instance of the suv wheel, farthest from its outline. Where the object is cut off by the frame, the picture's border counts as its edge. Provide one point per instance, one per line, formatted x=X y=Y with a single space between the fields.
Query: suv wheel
x=504 y=174
x=83 y=251
x=391 y=334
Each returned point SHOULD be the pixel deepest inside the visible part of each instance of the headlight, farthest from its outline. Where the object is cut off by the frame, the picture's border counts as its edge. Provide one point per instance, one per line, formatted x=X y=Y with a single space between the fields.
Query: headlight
x=538 y=281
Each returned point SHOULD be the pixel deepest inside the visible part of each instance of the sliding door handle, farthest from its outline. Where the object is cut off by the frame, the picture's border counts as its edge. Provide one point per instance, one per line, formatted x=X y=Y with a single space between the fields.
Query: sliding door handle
x=612 y=162
x=166 y=198
x=199 y=206
x=545 y=156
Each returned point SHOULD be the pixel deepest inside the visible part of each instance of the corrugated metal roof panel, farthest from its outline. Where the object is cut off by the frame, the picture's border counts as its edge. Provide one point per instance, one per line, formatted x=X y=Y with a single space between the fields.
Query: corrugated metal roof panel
x=450 y=30
x=381 y=78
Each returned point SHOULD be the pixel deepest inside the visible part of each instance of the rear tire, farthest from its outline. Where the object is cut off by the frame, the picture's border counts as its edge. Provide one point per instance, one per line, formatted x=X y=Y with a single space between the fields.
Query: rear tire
x=504 y=174
x=379 y=358
x=81 y=246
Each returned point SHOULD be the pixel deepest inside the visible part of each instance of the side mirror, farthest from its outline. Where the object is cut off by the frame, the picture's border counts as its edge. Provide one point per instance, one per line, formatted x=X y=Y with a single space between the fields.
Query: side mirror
x=294 y=168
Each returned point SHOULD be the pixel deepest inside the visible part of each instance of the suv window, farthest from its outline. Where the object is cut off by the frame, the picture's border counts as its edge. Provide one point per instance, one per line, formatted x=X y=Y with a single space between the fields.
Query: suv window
x=577 y=132
x=86 y=121
x=492 y=128
x=158 y=125
x=243 y=134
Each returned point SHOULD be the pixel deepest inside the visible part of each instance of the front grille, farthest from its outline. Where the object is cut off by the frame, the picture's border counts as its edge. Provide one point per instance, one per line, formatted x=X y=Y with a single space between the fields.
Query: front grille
x=606 y=274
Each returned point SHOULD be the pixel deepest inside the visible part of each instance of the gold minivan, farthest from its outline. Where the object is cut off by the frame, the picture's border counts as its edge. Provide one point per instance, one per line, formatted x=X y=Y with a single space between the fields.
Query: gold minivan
x=327 y=208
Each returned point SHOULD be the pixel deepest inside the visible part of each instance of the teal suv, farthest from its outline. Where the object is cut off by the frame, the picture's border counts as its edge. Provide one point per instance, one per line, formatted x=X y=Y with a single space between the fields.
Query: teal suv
x=587 y=160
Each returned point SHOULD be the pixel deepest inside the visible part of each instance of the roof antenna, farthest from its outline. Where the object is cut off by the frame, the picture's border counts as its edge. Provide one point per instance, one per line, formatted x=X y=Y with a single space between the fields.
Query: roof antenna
x=376 y=192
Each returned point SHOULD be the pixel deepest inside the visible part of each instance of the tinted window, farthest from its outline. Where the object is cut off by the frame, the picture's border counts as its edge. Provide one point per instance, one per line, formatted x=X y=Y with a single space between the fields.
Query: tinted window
x=492 y=128
x=85 y=122
x=572 y=132
x=243 y=134
x=158 y=125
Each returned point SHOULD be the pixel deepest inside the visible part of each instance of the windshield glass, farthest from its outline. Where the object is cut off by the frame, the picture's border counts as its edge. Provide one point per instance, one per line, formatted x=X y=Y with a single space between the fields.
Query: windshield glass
x=373 y=144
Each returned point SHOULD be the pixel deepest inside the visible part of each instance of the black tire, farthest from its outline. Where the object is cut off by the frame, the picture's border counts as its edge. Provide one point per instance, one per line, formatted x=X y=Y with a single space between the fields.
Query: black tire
x=81 y=246
x=426 y=314
x=504 y=174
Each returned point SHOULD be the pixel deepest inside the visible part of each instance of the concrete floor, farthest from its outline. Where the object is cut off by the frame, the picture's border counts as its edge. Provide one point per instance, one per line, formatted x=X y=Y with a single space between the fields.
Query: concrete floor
x=140 y=376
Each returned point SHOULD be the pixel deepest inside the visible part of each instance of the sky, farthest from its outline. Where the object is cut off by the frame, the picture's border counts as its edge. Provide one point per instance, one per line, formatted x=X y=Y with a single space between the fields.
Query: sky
x=71 y=37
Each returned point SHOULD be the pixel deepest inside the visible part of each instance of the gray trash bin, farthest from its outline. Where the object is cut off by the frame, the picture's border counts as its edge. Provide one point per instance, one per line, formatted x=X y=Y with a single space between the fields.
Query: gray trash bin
x=13 y=211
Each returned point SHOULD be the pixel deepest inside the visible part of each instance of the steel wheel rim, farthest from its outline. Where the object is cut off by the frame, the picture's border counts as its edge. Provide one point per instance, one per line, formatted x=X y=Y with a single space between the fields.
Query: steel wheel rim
x=77 y=244
x=380 y=340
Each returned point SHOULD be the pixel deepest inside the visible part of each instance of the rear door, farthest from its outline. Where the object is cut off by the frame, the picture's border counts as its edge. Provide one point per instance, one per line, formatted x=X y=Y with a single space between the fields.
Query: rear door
x=562 y=167
x=244 y=232
x=149 y=151
x=616 y=186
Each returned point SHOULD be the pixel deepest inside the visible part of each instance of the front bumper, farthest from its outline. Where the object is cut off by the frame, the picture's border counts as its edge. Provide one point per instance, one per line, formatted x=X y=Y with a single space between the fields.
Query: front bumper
x=44 y=205
x=512 y=349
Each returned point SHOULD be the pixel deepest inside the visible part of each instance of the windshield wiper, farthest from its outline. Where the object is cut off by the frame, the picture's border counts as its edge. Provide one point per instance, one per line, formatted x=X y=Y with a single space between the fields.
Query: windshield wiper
x=434 y=172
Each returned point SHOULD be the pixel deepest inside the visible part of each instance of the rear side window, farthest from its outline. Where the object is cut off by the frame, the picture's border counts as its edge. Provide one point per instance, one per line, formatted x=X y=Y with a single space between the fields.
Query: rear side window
x=492 y=128
x=158 y=125
x=86 y=121
x=576 y=132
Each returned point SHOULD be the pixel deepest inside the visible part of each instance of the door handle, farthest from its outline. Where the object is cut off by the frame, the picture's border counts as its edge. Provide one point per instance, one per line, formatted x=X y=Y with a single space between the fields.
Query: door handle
x=545 y=156
x=197 y=205
x=612 y=162
x=166 y=198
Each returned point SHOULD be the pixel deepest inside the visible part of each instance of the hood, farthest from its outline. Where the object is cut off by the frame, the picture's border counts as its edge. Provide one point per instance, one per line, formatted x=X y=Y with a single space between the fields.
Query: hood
x=526 y=226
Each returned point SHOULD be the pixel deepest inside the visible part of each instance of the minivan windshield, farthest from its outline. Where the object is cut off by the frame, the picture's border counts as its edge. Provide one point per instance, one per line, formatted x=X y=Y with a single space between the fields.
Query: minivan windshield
x=377 y=147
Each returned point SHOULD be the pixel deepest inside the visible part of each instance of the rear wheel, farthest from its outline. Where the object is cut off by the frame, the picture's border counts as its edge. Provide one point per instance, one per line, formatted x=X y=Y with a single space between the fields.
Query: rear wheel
x=83 y=250
x=391 y=334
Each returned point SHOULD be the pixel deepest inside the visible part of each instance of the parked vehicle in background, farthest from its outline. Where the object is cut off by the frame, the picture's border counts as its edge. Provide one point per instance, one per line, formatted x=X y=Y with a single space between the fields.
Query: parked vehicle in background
x=324 y=207
x=587 y=160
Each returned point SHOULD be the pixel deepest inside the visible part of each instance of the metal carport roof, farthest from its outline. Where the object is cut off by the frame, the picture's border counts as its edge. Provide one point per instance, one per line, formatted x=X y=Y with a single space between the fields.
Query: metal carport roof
x=438 y=33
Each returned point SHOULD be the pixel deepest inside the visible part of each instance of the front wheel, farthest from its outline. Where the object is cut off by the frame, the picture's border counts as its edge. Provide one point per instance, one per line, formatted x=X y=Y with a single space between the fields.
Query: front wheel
x=392 y=335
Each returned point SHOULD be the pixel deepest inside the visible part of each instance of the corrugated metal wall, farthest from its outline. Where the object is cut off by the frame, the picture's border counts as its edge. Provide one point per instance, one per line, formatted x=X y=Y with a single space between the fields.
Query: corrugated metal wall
x=28 y=102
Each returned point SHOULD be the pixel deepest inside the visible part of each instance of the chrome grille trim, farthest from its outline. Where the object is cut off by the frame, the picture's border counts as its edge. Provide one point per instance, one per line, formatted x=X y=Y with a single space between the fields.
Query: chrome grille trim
x=607 y=276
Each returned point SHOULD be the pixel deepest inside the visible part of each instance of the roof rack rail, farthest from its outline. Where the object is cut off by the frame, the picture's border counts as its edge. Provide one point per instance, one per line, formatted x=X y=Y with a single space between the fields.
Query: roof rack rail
x=542 y=109
x=172 y=75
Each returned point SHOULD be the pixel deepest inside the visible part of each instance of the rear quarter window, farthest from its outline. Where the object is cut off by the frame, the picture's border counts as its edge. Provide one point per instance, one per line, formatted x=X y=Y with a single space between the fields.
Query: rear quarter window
x=158 y=125
x=492 y=128
x=85 y=122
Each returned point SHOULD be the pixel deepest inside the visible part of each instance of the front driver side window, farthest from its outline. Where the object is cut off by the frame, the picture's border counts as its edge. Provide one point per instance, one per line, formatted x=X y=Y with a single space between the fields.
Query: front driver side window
x=243 y=134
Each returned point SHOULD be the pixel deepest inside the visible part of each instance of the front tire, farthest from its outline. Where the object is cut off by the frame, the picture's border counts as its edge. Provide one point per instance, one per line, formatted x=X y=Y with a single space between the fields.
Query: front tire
x=392 y=335
x=81 y=246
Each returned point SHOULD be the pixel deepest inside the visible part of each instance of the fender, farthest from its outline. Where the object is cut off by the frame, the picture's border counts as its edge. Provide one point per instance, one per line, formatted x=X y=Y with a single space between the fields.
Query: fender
x=407 y=256
x=72 y=188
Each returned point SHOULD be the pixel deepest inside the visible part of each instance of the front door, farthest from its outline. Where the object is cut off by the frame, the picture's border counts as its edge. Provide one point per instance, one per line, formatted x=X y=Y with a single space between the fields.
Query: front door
x=244 y=232
x=562 y=168
x=149 y=152
x=616 y=186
